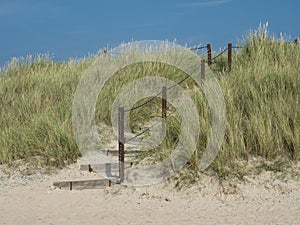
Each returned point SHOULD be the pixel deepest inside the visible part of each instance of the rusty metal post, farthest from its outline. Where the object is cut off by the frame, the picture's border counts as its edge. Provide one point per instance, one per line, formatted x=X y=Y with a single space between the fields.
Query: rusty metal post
x=202 y=69
x=209 y=62
x=164 y=103
x=229 y=56
x=121 y=140
x=164 y=107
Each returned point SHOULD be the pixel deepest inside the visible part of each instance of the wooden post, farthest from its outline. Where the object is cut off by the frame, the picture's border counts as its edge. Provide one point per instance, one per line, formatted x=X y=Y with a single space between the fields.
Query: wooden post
x=229 y=56
x=121 y=140
x=209 y=62
x=202 y=69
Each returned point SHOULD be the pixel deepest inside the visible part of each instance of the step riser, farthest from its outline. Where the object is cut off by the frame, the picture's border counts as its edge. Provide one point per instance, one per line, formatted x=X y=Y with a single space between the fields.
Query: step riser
x=83 y=184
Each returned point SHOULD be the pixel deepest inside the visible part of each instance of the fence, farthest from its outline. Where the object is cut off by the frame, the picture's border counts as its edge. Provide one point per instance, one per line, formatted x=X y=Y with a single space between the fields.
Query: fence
x=211 y=60
x=121 y=136
x=229 y=49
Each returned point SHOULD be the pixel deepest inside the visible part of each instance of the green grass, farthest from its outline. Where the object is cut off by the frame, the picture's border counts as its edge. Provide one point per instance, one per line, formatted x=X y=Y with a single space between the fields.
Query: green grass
x=36 y=108
x=261 y=92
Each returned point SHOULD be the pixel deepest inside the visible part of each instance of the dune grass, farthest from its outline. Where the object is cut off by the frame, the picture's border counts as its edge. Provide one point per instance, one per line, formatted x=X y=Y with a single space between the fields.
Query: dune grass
x=261 y=92
x=262 y=98
x=36 y=109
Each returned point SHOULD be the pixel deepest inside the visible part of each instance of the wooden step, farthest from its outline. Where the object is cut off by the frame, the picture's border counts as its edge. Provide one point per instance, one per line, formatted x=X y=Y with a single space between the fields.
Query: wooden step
x=106 y=167
x=84 y=184
x=126 y=152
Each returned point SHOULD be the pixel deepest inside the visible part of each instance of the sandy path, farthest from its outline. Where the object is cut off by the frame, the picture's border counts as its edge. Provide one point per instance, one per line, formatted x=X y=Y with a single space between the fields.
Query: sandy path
x=253 y=202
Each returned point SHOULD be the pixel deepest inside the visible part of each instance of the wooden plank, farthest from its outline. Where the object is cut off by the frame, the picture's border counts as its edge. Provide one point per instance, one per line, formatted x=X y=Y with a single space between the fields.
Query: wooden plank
x=127 y=152
x=83 y=184
x=106 y=167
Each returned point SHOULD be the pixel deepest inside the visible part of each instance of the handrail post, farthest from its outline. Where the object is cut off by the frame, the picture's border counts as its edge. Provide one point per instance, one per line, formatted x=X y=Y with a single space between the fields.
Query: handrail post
x=164 y=103
x=121 y=140
x=229 y=56
x=202 y=69
x=164 y=107
x=209 y=62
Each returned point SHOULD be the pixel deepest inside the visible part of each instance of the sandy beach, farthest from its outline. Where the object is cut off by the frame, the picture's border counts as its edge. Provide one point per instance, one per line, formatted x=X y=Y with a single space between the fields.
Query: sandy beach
x=261 y=199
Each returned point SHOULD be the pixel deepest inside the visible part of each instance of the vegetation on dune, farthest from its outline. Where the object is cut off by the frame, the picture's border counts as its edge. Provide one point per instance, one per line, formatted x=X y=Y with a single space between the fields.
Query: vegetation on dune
x=262 y=98
x=36 y=109
x=261 y=92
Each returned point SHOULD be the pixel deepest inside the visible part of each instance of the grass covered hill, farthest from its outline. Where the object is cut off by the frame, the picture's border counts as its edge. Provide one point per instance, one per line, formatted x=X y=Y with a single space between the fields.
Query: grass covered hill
x=262 y=98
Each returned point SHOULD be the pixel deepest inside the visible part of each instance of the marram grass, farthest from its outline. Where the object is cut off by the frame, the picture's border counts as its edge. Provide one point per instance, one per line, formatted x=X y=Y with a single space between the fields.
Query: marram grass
x=261 y=92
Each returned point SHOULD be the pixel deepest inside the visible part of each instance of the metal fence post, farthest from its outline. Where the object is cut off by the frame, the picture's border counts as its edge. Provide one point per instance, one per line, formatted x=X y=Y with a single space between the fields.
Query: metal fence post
x=164 y=103
x=229 y=56
x=121 y=140
x=209 y=62
x=202 y=69
x=164 y=108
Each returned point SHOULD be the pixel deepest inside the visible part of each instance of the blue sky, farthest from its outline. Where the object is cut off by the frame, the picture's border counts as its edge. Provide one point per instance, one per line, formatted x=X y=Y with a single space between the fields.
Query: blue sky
x=73 y=28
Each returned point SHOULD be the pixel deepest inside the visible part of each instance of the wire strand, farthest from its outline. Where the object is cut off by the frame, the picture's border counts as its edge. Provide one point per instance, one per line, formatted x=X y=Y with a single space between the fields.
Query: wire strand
x=143 y=104
x=221 y=53
x=238 y=47
x=174 y=85
x=197 y=48
x=155 y=96
x=142 y=132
